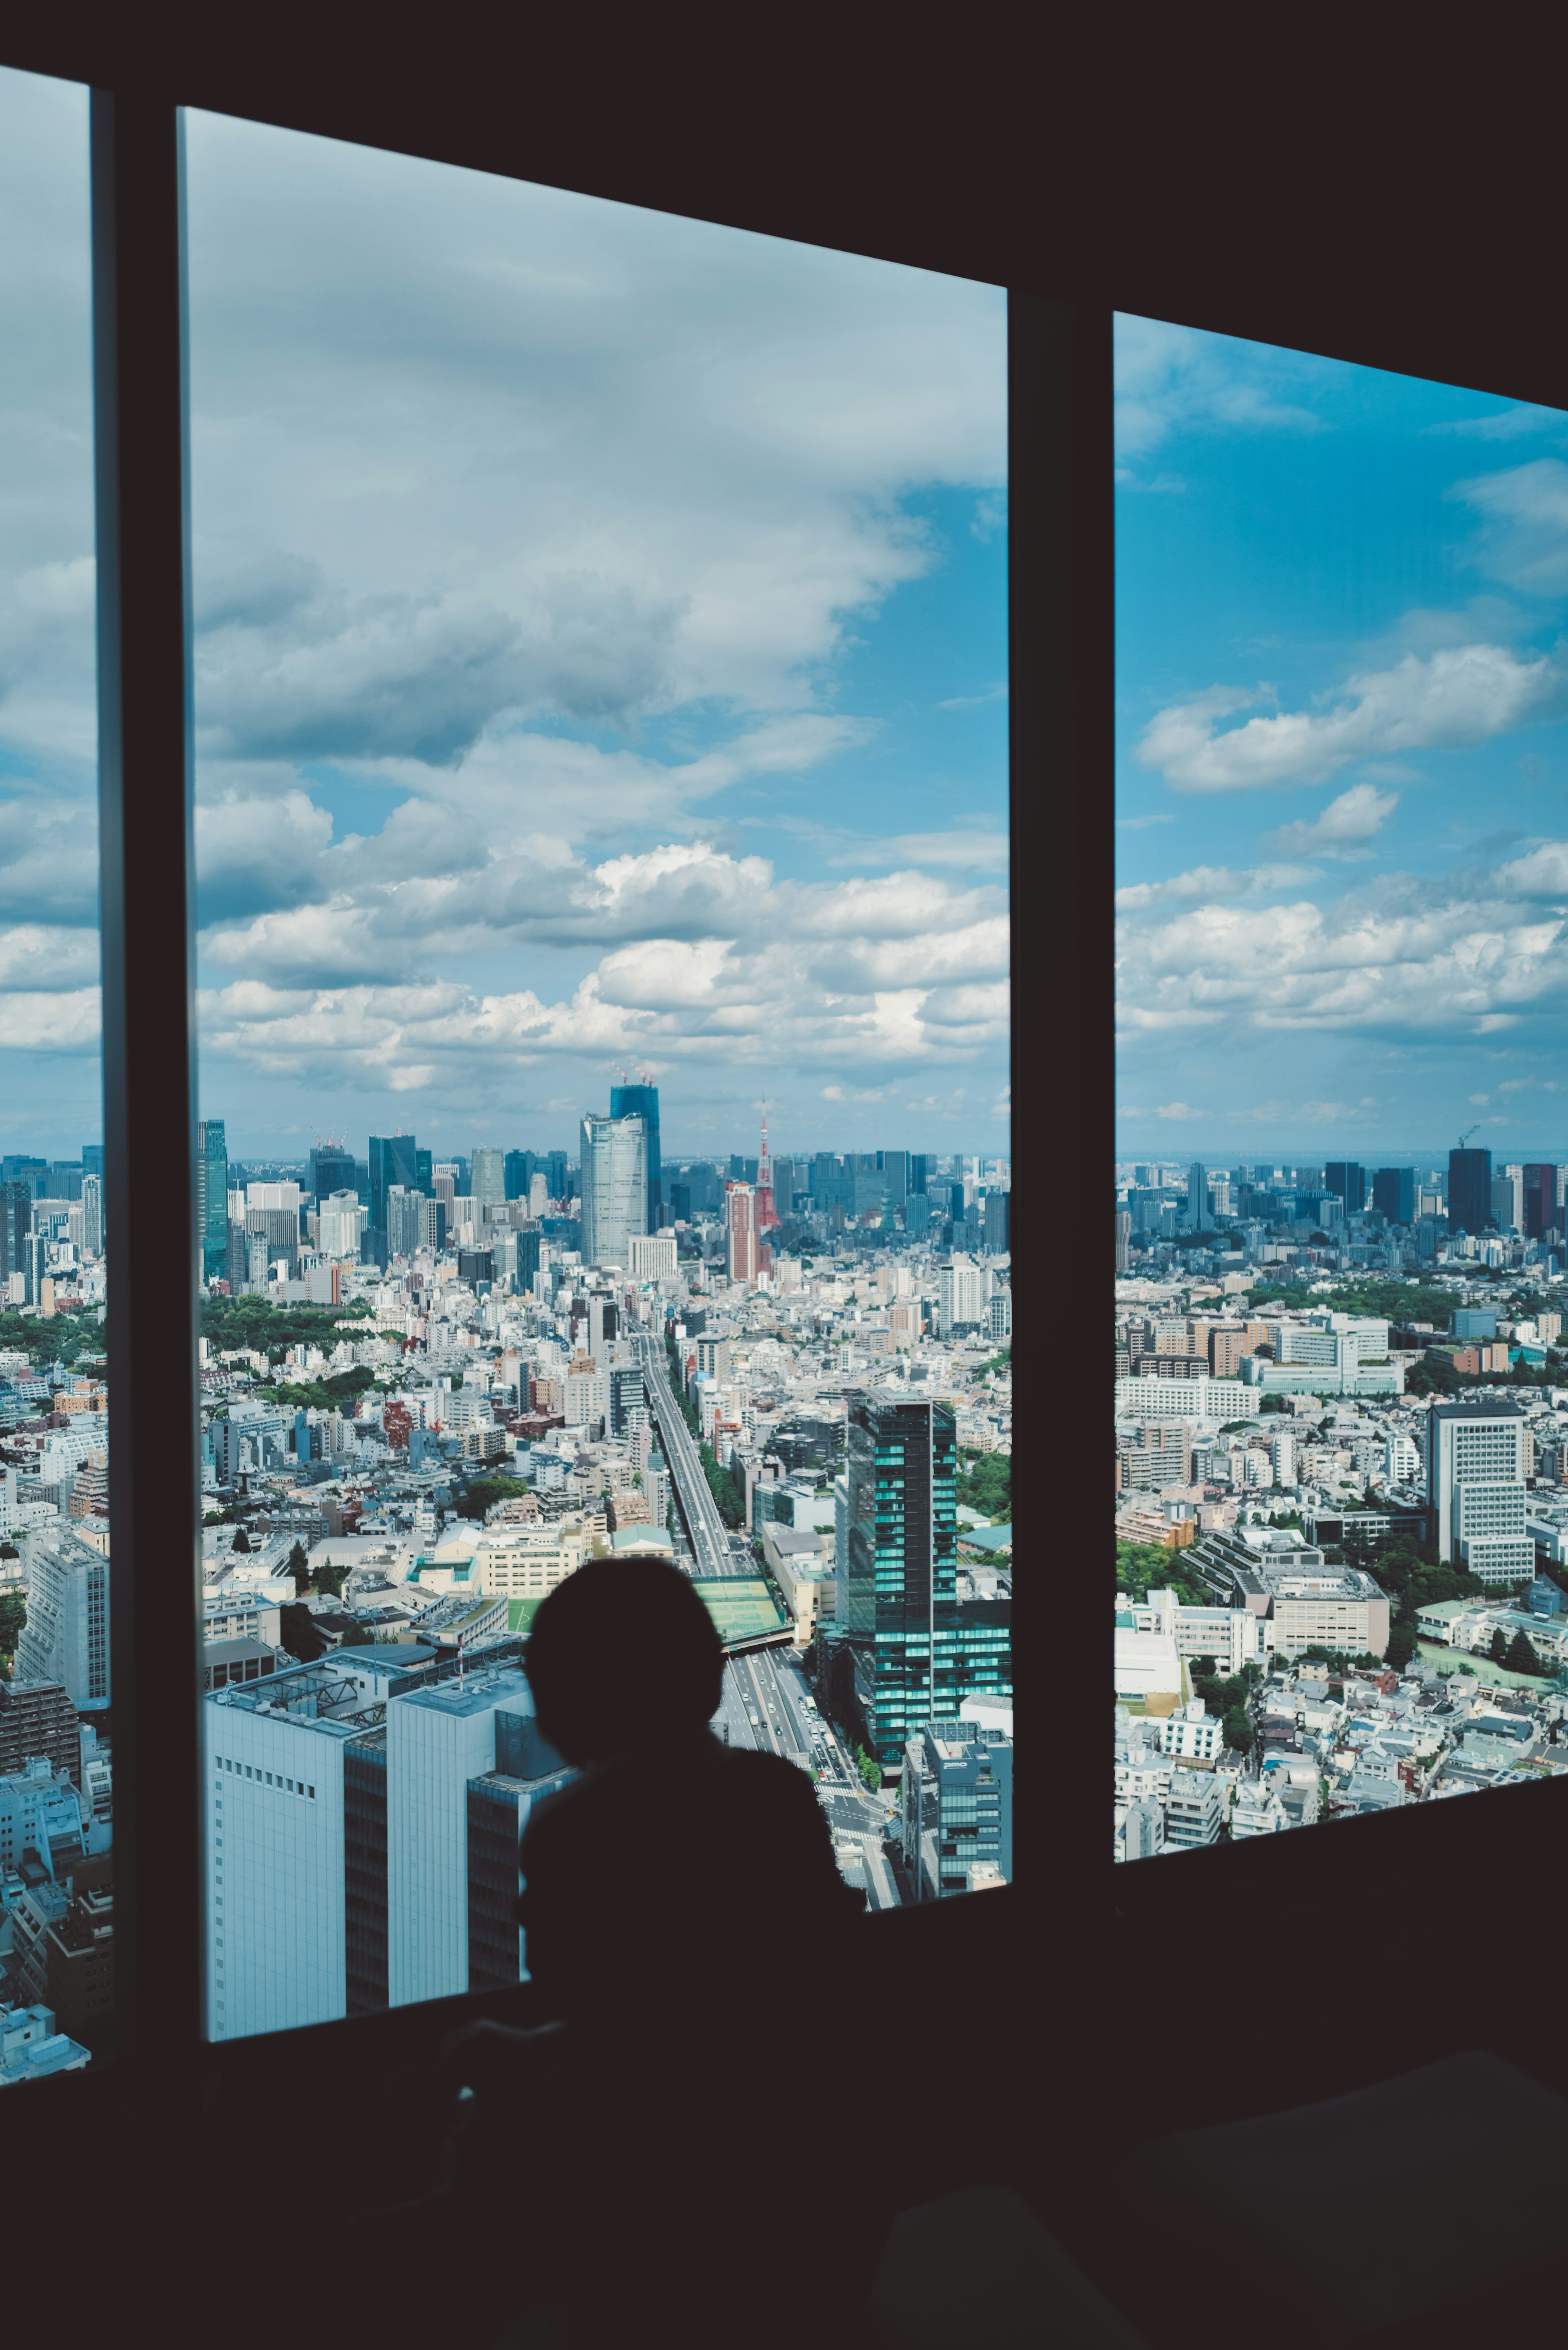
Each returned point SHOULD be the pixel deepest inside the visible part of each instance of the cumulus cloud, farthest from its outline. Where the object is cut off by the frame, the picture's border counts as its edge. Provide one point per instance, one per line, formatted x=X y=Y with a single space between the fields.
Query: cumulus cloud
x=1457 y=696
x=1473 y=955
x=1346 y=825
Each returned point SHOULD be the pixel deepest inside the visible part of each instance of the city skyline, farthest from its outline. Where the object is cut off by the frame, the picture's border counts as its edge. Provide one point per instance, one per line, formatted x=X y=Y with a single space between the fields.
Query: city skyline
x=1341 y=753
x=600 y=657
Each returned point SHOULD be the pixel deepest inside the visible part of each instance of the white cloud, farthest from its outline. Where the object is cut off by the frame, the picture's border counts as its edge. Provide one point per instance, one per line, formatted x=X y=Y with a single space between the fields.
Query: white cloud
x=1502 y=423
x=1456 y=697
x=1524 y=514
x=1171 y=378
x=1347 y=823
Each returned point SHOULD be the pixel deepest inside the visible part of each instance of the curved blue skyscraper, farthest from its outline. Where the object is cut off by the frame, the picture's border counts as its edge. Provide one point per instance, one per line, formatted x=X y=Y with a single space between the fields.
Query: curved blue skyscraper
x=642 y=1101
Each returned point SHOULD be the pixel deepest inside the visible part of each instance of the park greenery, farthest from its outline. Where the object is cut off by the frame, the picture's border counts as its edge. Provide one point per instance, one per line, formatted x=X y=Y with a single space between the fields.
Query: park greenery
x=1142 y=1567
x=985 y=1483
x=74 y=1340
x=340 y=1391
x=482 y=1493
x=1387 y=1300
x=13 y=1617
x=229 y=1323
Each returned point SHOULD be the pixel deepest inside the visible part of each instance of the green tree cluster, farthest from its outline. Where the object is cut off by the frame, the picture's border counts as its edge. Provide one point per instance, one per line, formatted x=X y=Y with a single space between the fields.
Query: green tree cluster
x=482 y=1493
x=342 y=1390
x=1145 y=1566
x=13 y=1618
x=228 y=1323
x=985 y=1483
x=722 y=1485
x=75 y=1340
x=870 y=1770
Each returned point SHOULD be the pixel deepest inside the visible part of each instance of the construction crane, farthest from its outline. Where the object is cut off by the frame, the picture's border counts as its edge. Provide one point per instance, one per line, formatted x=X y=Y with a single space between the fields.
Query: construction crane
x=1467 y=1132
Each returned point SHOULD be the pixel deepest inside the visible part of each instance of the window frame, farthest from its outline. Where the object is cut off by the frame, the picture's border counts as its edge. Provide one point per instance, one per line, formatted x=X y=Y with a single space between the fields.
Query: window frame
x=1024 y=199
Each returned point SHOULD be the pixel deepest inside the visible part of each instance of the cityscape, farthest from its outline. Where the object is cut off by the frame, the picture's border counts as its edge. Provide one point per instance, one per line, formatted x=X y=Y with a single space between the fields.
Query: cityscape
x=433 y=1388
x=600 y=696
x=1342 y=1490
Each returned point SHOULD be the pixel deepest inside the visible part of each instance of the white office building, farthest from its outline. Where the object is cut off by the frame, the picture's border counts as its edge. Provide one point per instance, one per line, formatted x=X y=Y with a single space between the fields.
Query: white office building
x=651 y=1255
x=436 y=1740
x=963 y=1295
x=1476 y=1464
x=65 y=1637
x=1195 y=1399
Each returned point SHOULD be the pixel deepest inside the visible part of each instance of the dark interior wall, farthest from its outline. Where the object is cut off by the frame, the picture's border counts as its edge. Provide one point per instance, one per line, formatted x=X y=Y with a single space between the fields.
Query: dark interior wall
x=1392 y=214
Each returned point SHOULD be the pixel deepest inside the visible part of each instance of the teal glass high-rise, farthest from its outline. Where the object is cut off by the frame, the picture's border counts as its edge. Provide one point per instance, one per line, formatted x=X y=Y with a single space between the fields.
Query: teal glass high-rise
x=213 y=1197
x=924 y=1644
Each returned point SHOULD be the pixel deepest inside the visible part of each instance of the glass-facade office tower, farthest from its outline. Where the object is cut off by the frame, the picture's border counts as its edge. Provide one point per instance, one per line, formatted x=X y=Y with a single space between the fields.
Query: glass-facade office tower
x=614 y=1187
x=519 y=1173
x=1541 y=1204
x=213 y=1198
x=394 y=1159
x=1470 y=1190
x=331 y=1169
x=16 y=1222
x=642 y=1101
x=488 y=1180
x=1347 y=1181
x=927 y=1650
x=555 y=1173
x=1394 y=1193
x=424 y=1172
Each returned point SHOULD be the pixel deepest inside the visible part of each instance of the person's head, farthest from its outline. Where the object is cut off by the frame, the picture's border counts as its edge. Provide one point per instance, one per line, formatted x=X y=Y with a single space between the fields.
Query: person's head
x=623 y=1649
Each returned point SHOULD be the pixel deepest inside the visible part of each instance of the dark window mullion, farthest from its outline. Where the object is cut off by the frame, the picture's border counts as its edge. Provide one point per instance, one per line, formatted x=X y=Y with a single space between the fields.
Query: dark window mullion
x=149 y=1059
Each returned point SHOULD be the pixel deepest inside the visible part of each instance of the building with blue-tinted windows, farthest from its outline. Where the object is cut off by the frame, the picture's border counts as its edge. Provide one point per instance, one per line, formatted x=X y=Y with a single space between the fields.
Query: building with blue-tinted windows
x=642 y=1101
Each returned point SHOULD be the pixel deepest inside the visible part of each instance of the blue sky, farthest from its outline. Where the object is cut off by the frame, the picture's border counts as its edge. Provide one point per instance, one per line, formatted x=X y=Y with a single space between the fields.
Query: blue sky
x=1342 y=723
x=601 y=660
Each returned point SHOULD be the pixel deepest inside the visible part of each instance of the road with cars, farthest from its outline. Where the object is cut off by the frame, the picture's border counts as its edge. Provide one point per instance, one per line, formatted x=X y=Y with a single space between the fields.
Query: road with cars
x=712 y=1550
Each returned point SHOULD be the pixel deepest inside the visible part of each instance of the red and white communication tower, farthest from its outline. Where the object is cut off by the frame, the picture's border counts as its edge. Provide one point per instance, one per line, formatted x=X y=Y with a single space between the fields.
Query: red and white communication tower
x=765 y=1213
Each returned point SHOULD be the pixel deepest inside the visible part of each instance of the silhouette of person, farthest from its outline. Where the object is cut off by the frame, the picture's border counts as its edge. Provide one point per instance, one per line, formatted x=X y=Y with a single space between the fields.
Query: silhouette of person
x=686 y=1928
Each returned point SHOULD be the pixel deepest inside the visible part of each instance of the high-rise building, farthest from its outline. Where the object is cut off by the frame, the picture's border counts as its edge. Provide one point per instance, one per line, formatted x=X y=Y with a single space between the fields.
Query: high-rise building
x=1508 y=1200
x=1394 y=1193
x=331 y=1169
x=642 y=1101
x=998 y=1222
x=895 y=1166
x=65 y=1636
x=923 y=1650
x=340 y=1219
x=1476 y=1456
x=16 y=1223
x=489 y=1173
x=213 y=1198
x=1198 y=1218
x=614 y=1187
x=1543 y=1208
x=555 y=1173
x=92 y=1216
x=1124 y=1240
x=962 y=1293
x=921 y=1165
x=1347 y=1181
x=424 y=1172
x=1469 y=1190
x=405 y=1220
x=741 y=1253
x=394 y=1159
x=519 y=1174
x=92 y=1160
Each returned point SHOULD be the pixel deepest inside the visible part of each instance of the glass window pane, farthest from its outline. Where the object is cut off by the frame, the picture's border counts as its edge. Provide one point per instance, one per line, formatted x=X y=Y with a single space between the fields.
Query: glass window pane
x=1340 y=1369
x=601 y=695
x=57 y=1862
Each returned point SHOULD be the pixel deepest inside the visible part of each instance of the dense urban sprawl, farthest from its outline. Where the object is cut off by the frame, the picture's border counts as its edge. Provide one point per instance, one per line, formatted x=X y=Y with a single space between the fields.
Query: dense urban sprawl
x=431 y=1389
x=1341 y=1512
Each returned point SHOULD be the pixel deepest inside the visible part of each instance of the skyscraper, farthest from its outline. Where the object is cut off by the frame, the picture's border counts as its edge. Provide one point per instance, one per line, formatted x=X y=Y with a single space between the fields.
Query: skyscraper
x=1394 y=1193
x=16 y=1222
x=331 y=1169
x=614 y=1187
x=1199 y=1218
x=394 y=1159
x=1347 y=1181
x=741 y=1258
x=213 y=1198
x=642 y=1101
x=555 y=1173
x=519 y=1173
x=488 y=1178
x=1543 y=1209
x=1470 y=1190
x=424 y=1172
x=899 y=1603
